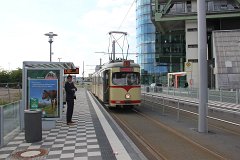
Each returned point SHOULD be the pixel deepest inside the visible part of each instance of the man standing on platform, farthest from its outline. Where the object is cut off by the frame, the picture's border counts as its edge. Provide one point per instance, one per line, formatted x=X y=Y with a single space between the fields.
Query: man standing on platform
x=70 y=96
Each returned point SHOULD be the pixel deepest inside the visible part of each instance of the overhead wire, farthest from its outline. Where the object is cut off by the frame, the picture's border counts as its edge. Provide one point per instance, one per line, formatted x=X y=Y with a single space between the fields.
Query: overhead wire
x=125 y=38
x=126 y=14
x=122 y=23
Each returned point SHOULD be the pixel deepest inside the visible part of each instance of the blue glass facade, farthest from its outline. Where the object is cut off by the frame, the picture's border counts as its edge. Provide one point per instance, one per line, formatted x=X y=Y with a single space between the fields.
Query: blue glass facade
x=146 y=36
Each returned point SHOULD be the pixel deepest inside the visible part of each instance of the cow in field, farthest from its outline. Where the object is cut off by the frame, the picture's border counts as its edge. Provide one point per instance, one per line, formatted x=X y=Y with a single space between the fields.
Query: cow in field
x=50 y=95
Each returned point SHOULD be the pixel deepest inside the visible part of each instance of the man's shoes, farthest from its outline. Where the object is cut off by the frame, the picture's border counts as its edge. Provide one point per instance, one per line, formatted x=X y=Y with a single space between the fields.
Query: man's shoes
x=70 y=123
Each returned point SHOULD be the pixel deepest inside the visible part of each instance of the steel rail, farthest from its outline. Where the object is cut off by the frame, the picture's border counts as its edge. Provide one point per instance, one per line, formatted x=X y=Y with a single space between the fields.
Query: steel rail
x=142 y=140
x=180 y=135
x=194 y=103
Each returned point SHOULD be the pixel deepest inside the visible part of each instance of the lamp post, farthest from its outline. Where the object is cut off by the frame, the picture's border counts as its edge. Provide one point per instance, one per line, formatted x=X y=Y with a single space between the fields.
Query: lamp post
x=50 y=35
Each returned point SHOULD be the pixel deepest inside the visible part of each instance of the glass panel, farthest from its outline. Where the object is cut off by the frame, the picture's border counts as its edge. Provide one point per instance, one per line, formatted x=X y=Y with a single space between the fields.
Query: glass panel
x=178 y=7
x=126 y=78
x=221 y=5
x=10 y=119
x=170 y=47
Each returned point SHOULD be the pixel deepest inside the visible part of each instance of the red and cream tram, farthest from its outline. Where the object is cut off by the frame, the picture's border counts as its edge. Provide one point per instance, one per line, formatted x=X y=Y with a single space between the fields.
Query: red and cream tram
x=117 y=83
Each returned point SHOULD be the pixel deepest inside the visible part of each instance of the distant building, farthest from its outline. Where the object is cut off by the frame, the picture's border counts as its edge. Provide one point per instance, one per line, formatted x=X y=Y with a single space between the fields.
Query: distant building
x=79 y=79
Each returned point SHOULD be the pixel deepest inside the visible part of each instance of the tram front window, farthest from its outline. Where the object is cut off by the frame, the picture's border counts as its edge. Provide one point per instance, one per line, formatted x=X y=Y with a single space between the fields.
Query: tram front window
x=120 y=78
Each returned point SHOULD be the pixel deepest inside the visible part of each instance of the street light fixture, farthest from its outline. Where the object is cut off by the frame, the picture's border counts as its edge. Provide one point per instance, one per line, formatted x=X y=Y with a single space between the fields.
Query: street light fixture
x=50 y=35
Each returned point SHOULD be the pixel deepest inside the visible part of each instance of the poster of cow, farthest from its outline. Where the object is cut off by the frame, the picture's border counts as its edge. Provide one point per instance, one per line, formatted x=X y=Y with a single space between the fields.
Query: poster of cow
x=43 y=95
x=43 y=92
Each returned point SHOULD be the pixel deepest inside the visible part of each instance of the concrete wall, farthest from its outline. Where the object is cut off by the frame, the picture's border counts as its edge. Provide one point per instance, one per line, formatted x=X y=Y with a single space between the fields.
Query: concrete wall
x=192 y=51
x=226 y=49
x=194 y=5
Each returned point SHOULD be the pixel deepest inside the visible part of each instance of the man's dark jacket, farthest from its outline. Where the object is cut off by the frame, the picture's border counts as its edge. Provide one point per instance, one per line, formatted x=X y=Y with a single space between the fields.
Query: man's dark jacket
x=70 y=93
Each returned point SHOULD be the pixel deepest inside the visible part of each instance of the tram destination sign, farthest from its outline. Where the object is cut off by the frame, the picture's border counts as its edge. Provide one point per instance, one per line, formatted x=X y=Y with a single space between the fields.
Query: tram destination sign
x=126 y=69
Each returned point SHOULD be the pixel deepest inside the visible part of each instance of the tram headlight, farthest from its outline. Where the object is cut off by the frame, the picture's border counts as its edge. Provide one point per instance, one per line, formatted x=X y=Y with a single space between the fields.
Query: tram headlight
x=127 y=96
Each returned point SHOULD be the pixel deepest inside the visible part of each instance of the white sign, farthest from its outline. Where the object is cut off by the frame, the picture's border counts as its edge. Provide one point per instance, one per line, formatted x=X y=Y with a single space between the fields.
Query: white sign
x=188 y=66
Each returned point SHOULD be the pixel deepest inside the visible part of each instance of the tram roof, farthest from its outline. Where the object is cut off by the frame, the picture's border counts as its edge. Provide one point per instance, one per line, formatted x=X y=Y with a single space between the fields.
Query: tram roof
x=116 y=63
x=119 y=64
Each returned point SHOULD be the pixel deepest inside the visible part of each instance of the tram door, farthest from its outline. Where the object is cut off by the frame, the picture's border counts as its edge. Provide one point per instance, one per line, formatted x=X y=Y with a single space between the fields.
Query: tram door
x=106 y=83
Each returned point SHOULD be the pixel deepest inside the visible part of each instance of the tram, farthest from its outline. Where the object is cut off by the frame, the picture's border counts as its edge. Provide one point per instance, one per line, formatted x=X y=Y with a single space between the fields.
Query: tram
x=117 y=83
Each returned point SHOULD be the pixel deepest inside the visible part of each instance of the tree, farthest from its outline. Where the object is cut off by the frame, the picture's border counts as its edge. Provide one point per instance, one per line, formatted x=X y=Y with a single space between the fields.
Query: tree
x=4 y=76
x=11 y=77
x=16 y=75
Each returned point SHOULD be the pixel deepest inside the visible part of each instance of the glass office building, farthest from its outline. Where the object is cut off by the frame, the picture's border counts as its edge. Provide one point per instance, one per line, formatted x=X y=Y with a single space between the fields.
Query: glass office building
x=158 y=53
x=146 y=38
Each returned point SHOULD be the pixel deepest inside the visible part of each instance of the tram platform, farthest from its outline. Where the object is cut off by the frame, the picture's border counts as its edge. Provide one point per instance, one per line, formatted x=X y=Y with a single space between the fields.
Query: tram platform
x=94 y=136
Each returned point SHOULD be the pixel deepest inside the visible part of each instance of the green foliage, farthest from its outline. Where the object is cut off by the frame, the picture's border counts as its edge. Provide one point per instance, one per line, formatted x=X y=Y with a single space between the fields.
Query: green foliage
x=4 y=76
x=16 y=75
x=11 y=76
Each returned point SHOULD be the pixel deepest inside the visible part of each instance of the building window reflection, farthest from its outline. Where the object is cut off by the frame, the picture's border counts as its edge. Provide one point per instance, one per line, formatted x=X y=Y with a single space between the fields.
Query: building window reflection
x=146 y=36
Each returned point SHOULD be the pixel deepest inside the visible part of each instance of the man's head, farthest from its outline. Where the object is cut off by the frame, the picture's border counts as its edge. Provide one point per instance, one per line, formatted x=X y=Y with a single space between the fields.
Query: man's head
x=69 y=78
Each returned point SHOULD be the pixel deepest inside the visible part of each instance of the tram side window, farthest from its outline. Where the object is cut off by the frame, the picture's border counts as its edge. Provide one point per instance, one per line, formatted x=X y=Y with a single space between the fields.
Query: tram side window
x=131 y=78
x=98 y=80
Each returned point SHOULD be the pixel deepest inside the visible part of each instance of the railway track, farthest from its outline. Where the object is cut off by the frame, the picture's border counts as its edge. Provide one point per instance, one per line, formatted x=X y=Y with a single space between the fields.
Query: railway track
x=217 y=119
x=159 y=141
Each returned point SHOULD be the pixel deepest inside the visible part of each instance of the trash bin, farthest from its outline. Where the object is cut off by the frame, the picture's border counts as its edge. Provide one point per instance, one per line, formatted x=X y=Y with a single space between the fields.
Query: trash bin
x=33 y=125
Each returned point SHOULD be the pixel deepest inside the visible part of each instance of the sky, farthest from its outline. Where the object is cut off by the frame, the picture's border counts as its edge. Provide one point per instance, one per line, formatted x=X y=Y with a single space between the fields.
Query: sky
x=82 y=27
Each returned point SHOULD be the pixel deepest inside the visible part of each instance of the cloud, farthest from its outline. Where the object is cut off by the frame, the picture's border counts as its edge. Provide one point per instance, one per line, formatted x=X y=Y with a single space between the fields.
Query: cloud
x=96 y=23
x=80 y=33
x=99 y=21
